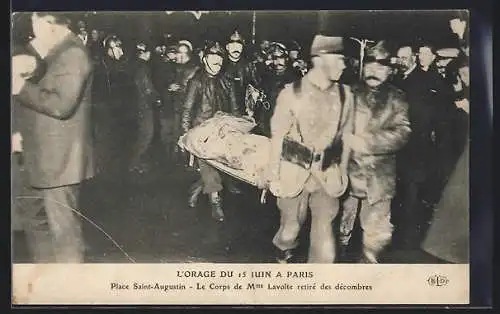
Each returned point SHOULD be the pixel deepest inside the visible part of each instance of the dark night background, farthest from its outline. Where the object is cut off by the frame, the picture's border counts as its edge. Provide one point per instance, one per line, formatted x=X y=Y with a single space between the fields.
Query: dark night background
x=397 y=26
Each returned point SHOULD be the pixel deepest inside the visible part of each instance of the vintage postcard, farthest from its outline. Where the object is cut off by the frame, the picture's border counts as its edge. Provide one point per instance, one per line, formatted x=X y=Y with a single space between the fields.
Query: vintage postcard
x=240 y=158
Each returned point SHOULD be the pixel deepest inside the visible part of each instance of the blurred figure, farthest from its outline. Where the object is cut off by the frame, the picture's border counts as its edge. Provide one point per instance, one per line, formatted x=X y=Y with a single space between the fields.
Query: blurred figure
x=381 y=129
x=448 y=235
x=282 y=74
x=164 y=73
x=298 y=64
x=58 y=144
x=147 y=99
x=82 y=32
x=417 y=158
x=209 y=91
x=95 y=47
x=116 y=112
x=185 y=69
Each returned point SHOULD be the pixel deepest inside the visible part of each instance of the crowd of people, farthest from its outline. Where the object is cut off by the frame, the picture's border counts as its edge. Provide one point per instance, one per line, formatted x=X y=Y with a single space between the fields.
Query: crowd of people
x=394 y=122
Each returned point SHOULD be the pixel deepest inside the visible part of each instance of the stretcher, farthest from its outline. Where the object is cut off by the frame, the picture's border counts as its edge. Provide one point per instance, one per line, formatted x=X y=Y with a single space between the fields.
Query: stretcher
x=239 y=154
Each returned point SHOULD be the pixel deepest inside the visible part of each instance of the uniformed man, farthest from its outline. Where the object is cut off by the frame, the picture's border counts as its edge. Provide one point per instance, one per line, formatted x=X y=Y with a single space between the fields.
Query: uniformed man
x=381 y=128
x=306 y=152
x=272 y=84
x=208 y=92
x=185 y=69
x=238 y=69
x=147 y=98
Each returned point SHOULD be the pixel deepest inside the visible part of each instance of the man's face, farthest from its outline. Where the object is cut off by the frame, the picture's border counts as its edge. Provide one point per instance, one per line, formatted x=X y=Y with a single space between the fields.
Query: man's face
x=115 y=50
x=294 y=54
x=213 y=63
x=463 y=73
x=146 y=55
x=172 y=55
x=425 y=56
x=332 y=65
x=234 y=49
x=375 y=73
x=406 y=58
x=95 y=35
x=279 y=63
x=42 y=26
x=83 y=32
x=182 y=56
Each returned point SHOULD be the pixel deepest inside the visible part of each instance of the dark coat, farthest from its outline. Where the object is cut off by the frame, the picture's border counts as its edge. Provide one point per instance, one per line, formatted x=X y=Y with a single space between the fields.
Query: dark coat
x=448 y=234
x=206 y=95
x=242 y=73
x=272 y=85
x=145 y=91
x=387 y=130
x=183 y=74
x=57 y=129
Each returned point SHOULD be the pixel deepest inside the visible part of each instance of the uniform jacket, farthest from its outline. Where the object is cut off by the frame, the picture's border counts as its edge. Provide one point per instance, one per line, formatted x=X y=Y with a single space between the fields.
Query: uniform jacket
x=242 y=73
x=272 y=85
x=381 y=119
x=183 y=73
x=57 y=133
x=206 y=95
x=146 y=92
x=313 y=117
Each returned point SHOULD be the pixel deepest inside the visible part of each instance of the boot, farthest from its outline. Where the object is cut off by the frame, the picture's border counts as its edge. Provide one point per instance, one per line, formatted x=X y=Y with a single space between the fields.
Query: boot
x=216 y=204
x=194 y=193
x=284 y=256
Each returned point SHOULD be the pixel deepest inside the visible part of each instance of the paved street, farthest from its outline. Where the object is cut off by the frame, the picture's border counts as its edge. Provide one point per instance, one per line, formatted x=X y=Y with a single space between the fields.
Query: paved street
x=148 y=218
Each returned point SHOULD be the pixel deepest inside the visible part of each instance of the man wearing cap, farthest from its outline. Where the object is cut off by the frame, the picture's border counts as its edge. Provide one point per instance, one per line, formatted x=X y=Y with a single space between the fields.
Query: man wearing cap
x=272 y=84
x=164 y=76
x=208 y=92
x=185 y=69
x=381 y=128
x=308 y=122
x=238 y=69
x=146 y=98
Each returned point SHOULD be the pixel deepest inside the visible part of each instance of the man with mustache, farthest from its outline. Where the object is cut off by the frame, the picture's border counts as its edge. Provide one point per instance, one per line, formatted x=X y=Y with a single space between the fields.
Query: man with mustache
x=208 y=92
x=416 y=168
x=273 y=83
x=381 y=128
x=238 y=69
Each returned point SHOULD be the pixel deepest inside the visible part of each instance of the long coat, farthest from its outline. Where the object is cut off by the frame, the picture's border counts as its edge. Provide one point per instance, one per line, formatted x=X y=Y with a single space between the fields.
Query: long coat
x=57 y=132
x=385 y=130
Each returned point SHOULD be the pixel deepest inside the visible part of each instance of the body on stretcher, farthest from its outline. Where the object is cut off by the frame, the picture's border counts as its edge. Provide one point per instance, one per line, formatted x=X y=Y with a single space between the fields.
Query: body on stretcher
x=225 y=143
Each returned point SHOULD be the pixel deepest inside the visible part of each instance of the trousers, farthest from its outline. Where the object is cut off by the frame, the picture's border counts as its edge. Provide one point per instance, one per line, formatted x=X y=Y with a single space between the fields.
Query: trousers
x=211 y=178
x=144 y=137
x=293 y=212
x=375 y=222
x=53 y=230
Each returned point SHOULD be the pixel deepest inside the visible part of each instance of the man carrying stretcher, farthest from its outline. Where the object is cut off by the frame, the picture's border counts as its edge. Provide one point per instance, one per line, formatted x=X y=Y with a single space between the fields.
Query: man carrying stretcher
x=207 y=93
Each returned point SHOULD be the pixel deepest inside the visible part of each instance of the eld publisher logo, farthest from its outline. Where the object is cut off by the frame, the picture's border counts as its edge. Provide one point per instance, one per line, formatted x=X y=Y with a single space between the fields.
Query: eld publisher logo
x=437 y=281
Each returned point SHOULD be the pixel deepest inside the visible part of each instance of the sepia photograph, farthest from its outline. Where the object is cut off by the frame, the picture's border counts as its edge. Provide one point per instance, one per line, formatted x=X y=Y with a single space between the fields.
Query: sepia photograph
x=224 y=146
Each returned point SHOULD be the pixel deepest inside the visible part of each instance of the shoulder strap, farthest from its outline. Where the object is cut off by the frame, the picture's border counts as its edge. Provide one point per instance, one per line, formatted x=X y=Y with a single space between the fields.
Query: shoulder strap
x=342 y=104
